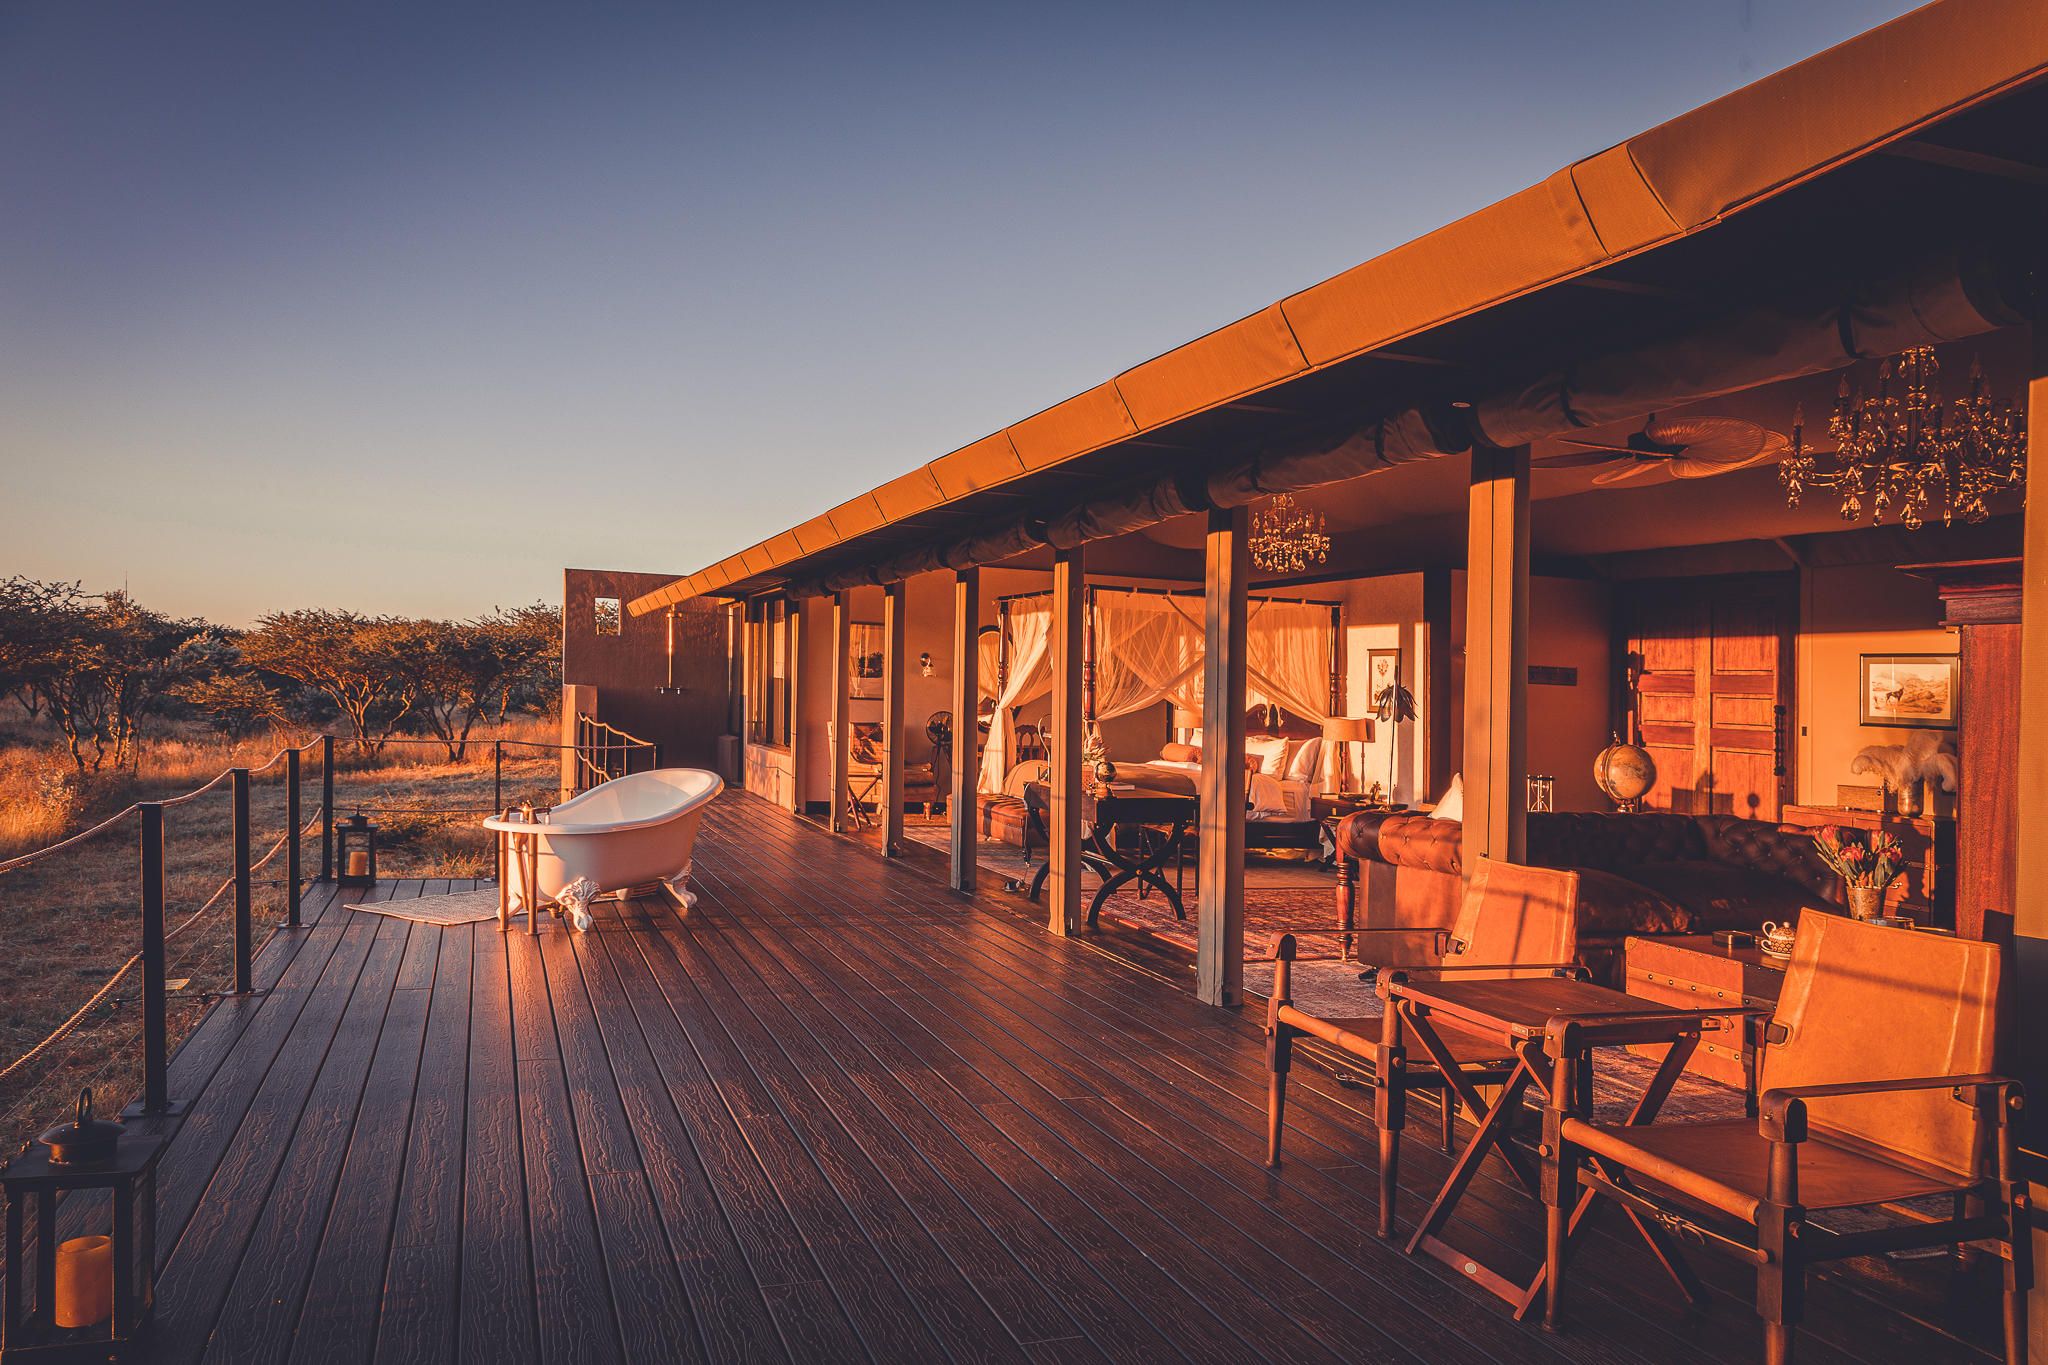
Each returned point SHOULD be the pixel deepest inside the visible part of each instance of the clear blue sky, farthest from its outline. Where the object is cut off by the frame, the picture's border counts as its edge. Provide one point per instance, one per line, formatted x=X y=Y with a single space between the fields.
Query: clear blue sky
x=402 y=307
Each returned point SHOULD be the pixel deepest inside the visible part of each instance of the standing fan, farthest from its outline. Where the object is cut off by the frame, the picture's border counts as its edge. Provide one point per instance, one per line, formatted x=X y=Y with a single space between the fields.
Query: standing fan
x=1683 y=447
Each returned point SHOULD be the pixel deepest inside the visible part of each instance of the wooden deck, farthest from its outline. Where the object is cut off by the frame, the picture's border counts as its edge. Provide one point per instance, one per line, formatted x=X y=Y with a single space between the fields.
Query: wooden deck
x=836 y=1113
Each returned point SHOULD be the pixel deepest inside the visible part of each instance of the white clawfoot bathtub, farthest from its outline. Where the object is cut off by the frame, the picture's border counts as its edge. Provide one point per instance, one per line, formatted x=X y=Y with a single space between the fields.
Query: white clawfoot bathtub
x=627 y=832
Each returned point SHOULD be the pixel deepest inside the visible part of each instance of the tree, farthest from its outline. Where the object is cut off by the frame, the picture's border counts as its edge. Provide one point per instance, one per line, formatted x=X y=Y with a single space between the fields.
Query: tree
x=35 y=618
x=106 y=663
x=456 y=671
x=351 y=660
x=529 y=641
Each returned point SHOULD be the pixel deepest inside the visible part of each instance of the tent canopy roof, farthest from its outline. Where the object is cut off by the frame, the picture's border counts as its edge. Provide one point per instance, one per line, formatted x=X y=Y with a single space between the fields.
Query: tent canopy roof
x=1832 y=167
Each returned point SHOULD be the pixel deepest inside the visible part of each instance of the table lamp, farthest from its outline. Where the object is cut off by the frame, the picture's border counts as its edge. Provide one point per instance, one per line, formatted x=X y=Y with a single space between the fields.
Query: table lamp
x=1346 y=731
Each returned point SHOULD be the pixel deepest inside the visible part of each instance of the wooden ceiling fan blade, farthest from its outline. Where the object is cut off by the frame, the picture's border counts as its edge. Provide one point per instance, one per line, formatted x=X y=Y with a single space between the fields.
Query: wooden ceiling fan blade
x=1634 y=469
x=1583 y=459
x=1706 y=464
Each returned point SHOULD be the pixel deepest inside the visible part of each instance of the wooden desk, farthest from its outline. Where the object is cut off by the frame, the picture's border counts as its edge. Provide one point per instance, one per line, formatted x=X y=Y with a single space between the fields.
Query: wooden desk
x=1119 y=862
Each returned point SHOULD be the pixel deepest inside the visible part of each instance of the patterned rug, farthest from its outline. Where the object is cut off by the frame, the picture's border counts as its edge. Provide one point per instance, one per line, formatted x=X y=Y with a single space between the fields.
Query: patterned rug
x=1306 y=912
x=456 y=907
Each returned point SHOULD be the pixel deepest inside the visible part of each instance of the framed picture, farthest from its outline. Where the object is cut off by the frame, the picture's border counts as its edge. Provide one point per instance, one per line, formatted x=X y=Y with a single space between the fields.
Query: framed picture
x=1382 y=668
x=864 y=660
x=1912 y=690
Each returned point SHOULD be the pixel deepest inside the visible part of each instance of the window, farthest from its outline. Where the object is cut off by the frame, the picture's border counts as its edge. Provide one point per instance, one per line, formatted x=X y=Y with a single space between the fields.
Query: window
x=771 y=701
x=608 y=619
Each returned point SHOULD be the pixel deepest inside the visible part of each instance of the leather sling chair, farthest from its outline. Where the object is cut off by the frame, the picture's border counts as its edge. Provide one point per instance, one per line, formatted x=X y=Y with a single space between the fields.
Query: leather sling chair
x=1876 y=1088
x=1512 y=921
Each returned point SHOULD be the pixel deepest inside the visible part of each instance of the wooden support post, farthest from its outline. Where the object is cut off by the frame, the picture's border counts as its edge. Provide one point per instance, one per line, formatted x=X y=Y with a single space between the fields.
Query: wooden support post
x=240 y=834
x=960 y=802
x=842 y=722
x=1064 y=897
x=1219 y=944
x=327 y=808
x=293 y=875
x=1497 y=657
x=894 y=794
x=2028 y=1019
x=155 y=1035
x=794 y=624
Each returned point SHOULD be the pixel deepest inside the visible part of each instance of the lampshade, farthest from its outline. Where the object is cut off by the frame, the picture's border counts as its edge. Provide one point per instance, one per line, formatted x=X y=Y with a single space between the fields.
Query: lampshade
x=1184 y=719
x=1348 y=729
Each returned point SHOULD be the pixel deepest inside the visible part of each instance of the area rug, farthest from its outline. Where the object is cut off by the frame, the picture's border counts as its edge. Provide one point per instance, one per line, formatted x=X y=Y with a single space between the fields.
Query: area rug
x=1269 y=912
x=455 y=907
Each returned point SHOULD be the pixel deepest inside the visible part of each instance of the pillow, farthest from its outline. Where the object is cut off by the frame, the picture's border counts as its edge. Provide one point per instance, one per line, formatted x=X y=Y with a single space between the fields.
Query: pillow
x=1308 y=762
x=1024 y=774
x=1452 y=806
x=1180 y=753
x=1270 y=750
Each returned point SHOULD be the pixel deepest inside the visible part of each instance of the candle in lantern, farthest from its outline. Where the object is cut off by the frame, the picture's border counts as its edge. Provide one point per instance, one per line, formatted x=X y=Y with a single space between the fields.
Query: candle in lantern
x=359 y=862
x=84 y=1282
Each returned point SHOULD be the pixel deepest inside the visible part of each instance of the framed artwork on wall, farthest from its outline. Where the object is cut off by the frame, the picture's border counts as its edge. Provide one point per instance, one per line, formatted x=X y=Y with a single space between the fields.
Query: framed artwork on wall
x=1917 y=691
x=1382 y=669
x=864 y=660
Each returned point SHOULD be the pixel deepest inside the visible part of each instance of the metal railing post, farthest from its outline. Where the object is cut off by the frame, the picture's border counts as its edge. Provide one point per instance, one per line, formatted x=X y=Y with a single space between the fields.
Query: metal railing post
x=241 y=795
x=156 y=1096
x=291 y=843
x=327 y=808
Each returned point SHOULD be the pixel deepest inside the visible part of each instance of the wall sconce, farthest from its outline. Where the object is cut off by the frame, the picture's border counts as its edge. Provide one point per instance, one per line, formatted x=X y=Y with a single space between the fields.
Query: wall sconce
x=924 y=663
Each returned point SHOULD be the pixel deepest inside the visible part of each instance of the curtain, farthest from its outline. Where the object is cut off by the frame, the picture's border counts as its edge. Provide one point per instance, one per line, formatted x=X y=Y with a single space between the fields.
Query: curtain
x=1288 y=657
x=988 y=648
x=1030 y=676
x=1148 y=649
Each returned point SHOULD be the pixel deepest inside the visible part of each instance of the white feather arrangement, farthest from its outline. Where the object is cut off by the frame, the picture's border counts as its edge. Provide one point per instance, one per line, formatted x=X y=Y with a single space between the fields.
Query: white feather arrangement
x=1924 y=756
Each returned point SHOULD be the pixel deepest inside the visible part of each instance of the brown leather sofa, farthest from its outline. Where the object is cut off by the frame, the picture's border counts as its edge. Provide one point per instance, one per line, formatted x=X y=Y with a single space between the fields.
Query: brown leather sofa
x=1652 y=873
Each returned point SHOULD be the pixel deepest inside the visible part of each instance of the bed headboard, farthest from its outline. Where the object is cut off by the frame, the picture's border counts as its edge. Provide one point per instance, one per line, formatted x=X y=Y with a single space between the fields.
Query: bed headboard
x=1268 y=719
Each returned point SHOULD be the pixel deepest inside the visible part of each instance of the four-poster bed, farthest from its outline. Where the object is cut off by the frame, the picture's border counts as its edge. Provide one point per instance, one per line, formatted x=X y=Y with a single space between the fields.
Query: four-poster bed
x=1142 y=649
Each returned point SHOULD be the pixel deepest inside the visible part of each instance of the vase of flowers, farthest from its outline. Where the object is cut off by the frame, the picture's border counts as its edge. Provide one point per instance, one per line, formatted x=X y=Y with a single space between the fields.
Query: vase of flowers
x=1866 y=861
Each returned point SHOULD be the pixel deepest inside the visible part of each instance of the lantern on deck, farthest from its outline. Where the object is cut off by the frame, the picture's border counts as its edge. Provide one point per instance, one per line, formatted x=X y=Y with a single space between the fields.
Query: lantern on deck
x=356 y=851
x=93 y=1293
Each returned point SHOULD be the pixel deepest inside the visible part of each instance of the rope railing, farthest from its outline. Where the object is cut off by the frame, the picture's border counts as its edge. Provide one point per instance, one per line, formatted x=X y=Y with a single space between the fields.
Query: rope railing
x=615 y=751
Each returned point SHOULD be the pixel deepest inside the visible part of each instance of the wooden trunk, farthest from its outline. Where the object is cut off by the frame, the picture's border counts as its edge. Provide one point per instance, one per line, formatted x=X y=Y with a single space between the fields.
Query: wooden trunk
x=1692 y=972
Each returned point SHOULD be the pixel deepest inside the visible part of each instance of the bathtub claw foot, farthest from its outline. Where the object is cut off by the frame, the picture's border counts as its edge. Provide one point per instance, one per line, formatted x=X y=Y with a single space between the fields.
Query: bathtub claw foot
x=575 y=899
x=679 y=887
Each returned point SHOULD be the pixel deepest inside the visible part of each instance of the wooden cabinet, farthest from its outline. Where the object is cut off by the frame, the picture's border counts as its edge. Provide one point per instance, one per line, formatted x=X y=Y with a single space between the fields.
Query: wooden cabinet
x=1925 y=890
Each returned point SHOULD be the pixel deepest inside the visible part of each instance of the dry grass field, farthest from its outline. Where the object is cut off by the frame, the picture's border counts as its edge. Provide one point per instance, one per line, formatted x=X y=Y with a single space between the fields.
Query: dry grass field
x=73 y=918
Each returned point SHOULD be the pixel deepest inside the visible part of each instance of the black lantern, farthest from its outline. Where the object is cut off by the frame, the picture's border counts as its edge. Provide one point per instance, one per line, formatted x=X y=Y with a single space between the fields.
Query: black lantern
x=93 y=1291
x=355 y=851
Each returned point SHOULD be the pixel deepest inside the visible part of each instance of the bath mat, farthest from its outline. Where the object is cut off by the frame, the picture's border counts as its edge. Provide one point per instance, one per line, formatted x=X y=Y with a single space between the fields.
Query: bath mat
x=456 y=907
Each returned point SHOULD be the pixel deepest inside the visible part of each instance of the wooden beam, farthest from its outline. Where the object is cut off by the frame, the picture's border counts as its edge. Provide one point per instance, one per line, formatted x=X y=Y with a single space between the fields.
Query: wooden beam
x=1219 y=914
x=1497 y=657
x=842 y=647
x=1063 y=895
x=960 y=802
x=1975 y=163
x=894 y=740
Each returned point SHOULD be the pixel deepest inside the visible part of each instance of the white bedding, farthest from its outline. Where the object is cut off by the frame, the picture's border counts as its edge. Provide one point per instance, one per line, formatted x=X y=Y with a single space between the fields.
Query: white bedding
x=1273 y=798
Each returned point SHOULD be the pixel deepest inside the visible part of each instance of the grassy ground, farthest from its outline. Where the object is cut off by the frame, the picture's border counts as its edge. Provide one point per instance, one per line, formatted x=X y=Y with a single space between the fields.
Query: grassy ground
x=72 y=918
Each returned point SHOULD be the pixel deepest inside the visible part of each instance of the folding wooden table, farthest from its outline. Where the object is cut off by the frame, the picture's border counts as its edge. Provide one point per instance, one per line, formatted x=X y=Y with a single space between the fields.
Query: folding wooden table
x=1551 y=1025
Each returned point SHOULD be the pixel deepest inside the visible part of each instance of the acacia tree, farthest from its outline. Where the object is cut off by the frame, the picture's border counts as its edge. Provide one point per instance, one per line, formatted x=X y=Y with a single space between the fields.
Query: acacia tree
x=456 y=672
x=351 y=660
x=35 y=618
x=106 y=663
x=529 y=644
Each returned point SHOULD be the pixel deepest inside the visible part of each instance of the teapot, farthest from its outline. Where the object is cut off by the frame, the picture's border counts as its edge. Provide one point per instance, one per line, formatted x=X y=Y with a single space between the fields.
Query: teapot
x=1775 y=939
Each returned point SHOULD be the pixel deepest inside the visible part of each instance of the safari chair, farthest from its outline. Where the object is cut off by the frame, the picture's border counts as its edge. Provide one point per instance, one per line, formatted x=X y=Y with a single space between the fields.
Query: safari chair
x=1513 y=921
x=1876 y=1089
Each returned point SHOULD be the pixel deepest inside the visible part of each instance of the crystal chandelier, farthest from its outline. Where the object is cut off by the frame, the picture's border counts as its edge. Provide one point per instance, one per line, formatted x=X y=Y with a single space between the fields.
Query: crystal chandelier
x=1287 y=537
x=1901 y=451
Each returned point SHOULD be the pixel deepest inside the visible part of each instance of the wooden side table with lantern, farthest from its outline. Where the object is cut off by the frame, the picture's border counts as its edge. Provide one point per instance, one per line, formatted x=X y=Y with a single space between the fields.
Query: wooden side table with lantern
x=1924 y=891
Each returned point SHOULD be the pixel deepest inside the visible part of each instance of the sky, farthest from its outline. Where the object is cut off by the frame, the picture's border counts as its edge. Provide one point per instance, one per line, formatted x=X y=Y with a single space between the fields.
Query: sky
x=404 y=307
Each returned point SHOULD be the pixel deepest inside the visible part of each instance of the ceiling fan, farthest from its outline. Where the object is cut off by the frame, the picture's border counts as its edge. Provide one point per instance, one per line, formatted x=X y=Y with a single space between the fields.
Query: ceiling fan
x=1683 y=447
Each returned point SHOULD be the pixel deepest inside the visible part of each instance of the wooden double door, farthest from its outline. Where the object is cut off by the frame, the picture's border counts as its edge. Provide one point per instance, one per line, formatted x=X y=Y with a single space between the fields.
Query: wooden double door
x=1708 y=689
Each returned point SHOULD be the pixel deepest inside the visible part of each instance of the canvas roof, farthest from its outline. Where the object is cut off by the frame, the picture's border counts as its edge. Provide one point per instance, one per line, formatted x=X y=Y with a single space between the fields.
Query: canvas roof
x=1408 y=318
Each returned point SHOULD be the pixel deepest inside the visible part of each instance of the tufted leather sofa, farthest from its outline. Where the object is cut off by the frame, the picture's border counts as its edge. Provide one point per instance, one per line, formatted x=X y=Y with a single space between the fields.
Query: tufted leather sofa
x=1651 y=873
